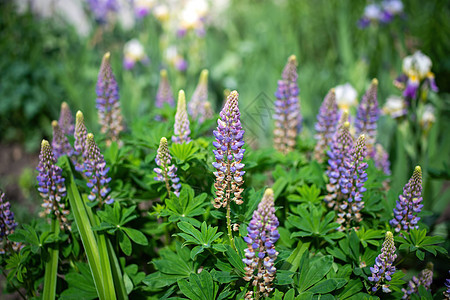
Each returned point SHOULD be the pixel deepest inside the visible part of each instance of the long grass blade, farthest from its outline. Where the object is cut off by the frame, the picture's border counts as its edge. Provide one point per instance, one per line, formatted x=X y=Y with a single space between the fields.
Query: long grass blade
x=51 y=266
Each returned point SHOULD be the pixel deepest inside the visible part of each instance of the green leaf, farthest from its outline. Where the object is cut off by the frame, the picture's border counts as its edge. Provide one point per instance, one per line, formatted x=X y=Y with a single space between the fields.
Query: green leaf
x=136 y=236
x=125 y=243
x=312 y=271
x=196 y=251
x=51 y=267
x=234 y=259
x=327 y=285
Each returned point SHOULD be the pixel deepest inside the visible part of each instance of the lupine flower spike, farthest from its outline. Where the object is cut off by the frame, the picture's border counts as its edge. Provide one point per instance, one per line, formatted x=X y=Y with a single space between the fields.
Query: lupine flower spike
x=7 y=227
x=52 y=186
x=327 y=120
x=66 y=119
x=80 y=141
x=166 y=173
x=351 y=183
x=424 y=279
x=199 y=107
x=381 y=159
x=60 y=143
x=384 y=268
x=164 y=93
x=108 y=105
x=409 y=204
x=181 y=126
x=260 y=255
x=339 y=152
x=447 y=286
x=368 y=114
x=96 y=171
x=287 y=109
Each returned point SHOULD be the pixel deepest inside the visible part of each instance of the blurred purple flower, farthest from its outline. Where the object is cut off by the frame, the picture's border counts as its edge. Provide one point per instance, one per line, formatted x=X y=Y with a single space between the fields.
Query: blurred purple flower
x=164 y=93
x=7 y=227
x=199 y=107
x=60 y=143
x=368 y=114
x=166 y=173
x=66 y=119
x=80 y=144
x=181 y=126
x=381 y=159
x=425 y=279
x=102 y=8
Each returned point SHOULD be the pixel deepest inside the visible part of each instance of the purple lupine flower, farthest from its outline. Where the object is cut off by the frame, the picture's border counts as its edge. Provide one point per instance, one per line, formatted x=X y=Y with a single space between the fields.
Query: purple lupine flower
x=96 y=171
x=287 y=109
x=166 y=172
x=339 y=152
x=102 y=8
x=351 y=184
x=199 y=107
x=447 y=285
x=260 y=255
x=52 y=186
x=425 y=279
x=368 y=114
x=7 y=227
x=181 y=126
x=108 y=105
x=60 y=143
x=383 y=268
x=409 y=204
x=327 y=120
x=80 y=141
x=164 y=93
x=229 y=154
x=381 y=159
x=66 y=119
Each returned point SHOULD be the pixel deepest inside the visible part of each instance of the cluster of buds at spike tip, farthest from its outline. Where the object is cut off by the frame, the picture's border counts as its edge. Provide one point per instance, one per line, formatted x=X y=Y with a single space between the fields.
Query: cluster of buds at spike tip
x=60 y=143
x=229 y=154
x=368 y=114
x=339 y=152
x=164 y=93
x=425 y=279
x=7 y=227
x=52 y=186
x=383 y=268
x=66 y=119
x=287 y=109
x=96 y=171
x=409 y=204
x=199 y=107
x=108 y=105
x=260 y=255
x=181 y=126
x=327 y=120
x=352 y=185
x=80 y=144
x=166 y=172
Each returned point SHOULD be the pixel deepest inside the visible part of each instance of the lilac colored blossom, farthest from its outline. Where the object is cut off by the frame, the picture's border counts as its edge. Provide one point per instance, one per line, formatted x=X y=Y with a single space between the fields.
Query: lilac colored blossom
x=351 y=182
x=80 y=144
x=181 y=126
x=287 y=115
x=102 y=8
x=229 y=154
x=447 y=285
x=166 y=172
x=181 y=64
x=52 y=186
x=375 y=13
x=108 y=105
x=327 y=120
x=368 y=114
x=142 y=7
x=339 y=152
x=66 y=119
x=7 y=227
x=383 y=268
x=164 y=93
x=199 y=107
x=96 y=171
x=260 y=255
x=381 y=159
x=60 y=143
x=424 y=279
x=134 y=52
x=409 y=204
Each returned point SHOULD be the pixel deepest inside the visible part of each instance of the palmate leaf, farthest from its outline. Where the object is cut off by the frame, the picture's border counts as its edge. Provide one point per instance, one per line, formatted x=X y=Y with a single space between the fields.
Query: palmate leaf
x=199 y=287
x=185 y=206
x=307 y=194
x=183 y=152
x=417 y=241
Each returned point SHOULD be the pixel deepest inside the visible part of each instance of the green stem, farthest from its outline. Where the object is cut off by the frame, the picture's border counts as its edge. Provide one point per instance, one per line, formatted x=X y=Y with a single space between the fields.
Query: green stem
x=230 y=233
x=51 y=266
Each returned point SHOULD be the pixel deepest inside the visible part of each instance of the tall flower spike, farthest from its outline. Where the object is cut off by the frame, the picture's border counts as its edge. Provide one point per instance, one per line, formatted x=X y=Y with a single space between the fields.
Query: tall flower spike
x=108 y=105
x=66 y=119
x=52 y=186
x=327 y=120
x=260 y=254
x=181 y=126
x=425 y=279
x=409 y=204
x=384 y=268
x=368 y=114
x=164 y=93
x=287 y=109
x=80 y=141
x=340 y=148
x=381 y=159
x=352 y=185
x=199 y=104
x=96 y=171
x=166 y=173
x=7 y=227
x=60 y=143
x=229 y=154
